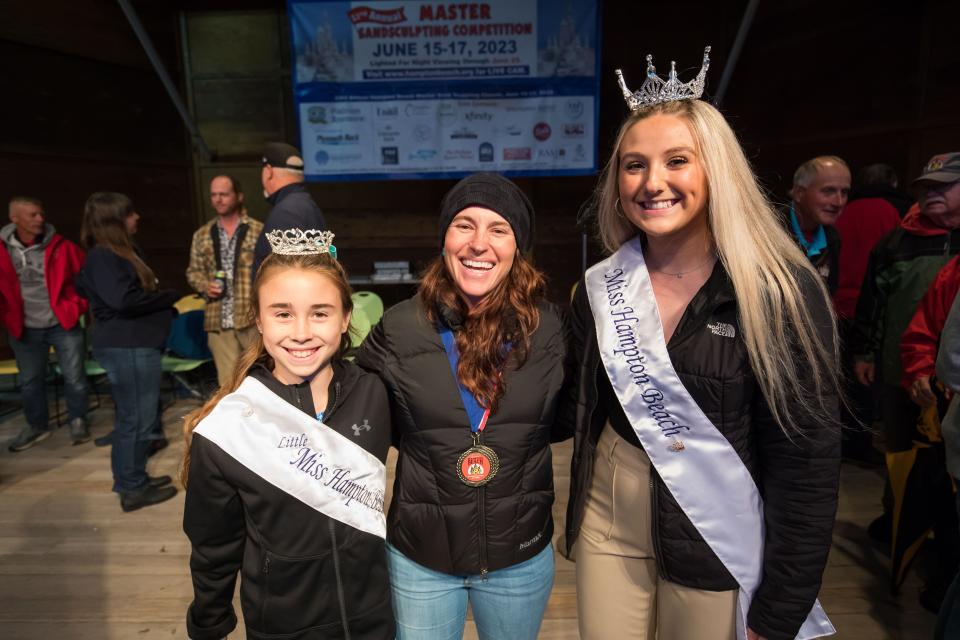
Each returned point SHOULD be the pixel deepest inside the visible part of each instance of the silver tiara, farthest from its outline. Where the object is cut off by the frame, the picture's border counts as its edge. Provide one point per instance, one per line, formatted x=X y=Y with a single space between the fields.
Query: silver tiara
x=296 y=242
x=655 y=90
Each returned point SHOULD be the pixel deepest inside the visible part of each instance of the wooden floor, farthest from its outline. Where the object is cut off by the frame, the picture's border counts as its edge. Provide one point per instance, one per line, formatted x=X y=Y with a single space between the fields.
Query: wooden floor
x=74 y=566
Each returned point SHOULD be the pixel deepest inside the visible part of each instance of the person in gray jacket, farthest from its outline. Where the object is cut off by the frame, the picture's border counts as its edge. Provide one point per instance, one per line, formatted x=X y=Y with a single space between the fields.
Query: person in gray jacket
x=948 y=372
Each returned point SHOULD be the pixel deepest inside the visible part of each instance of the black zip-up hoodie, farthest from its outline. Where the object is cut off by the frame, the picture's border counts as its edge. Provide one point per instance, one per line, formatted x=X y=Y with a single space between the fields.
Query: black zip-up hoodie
x=305 y=576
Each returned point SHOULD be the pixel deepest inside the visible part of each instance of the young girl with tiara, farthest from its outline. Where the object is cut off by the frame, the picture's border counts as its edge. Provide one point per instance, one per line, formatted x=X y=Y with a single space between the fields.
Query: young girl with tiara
x=286 y=467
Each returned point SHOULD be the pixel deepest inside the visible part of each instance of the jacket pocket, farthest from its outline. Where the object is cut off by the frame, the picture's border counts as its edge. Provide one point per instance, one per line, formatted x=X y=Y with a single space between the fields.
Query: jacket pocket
x=598 y=512
x=296 y=593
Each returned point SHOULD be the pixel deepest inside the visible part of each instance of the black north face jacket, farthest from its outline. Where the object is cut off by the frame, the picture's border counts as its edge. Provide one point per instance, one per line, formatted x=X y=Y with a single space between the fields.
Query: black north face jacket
x=305 y=576
x=798 y=478
x=435 y=519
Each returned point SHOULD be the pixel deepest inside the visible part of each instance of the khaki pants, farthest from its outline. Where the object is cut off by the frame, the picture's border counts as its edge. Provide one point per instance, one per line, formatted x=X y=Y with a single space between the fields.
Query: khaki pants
x=619 y=594
x=226 y=346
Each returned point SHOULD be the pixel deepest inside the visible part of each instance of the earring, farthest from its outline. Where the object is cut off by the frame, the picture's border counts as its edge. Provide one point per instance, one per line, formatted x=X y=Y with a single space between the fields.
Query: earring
x=619 y=209
x=443 y=252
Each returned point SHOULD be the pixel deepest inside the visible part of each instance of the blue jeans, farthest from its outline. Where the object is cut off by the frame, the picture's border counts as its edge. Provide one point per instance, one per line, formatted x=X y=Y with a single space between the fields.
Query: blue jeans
x=32 y=352
x=507 y=603
x=134 y=375
x=948 y=622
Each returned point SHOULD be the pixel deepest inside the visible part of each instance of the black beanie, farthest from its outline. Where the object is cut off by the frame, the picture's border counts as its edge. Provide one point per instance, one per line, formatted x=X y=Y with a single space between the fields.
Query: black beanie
x=490 y=191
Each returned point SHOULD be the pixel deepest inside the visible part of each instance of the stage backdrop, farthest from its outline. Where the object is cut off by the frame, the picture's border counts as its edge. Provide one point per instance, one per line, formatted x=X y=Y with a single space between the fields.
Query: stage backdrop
x=388 y=90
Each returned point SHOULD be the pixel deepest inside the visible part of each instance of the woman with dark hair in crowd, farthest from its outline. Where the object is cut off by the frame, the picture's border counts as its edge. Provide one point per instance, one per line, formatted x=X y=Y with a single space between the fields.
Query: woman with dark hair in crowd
x=474 y=365
x=706 y=456
x=131 y=319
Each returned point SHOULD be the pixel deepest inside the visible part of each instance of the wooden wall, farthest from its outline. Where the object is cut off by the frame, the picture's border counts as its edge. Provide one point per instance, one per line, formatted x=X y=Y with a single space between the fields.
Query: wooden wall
x=870 y=81
x=84 y=112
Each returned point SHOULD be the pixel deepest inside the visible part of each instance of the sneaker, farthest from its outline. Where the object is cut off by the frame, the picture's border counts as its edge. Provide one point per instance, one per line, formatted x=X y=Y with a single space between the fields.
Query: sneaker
x=79 y=432
x=105 y=440
x=27 y=438
x=145 y=497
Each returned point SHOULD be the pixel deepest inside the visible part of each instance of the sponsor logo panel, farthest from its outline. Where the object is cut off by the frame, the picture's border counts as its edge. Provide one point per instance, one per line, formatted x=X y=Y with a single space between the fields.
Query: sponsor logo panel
x=573 y=107
x=412 y=110
x=389 y=155
x=458 y=154
x=324 y=157
x=551 y=154
x=463 y=133
x=517 y=153
x=422 y=154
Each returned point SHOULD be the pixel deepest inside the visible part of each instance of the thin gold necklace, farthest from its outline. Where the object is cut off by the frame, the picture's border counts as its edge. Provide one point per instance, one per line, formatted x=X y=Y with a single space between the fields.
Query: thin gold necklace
x=680 y=274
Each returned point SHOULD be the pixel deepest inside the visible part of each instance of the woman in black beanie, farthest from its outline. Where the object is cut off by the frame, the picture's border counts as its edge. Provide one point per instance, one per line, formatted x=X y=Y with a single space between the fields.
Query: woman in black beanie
x=474 y=364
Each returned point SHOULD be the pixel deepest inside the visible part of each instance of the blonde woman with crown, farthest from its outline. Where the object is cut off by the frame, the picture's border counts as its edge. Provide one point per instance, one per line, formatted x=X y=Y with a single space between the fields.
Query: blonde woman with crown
x=707 y=452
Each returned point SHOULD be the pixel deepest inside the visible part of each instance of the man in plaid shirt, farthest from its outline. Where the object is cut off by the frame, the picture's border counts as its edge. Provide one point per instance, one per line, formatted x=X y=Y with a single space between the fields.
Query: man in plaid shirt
x=226 y=244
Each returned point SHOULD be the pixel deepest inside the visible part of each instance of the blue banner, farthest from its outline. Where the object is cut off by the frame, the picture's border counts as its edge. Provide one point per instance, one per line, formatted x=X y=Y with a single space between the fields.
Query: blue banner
x=410 y=89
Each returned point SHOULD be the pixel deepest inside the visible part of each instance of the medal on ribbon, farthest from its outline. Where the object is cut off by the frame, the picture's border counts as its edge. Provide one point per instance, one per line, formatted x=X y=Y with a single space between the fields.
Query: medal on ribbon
x=478 y=464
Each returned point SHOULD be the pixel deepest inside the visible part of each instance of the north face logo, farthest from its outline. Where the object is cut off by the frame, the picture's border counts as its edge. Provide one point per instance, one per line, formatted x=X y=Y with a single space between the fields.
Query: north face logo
x=722 y=329
x=363 y=427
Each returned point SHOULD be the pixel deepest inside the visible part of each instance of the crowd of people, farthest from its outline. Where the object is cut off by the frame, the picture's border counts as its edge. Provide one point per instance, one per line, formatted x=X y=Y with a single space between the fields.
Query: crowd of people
x=712 y=370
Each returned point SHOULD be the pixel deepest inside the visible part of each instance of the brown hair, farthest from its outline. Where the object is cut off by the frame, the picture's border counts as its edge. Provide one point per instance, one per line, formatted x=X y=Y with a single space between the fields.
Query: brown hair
x=104 y=224
x=508 y=315
x=255 y=353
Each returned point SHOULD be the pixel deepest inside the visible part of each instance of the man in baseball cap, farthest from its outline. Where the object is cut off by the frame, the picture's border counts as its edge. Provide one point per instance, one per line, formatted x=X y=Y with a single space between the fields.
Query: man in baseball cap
x=293 y=206
x=938 y=189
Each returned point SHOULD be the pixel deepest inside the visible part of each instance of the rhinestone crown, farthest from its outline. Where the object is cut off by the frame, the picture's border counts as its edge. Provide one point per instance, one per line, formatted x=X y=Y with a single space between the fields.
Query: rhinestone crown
x=296 y=242
x=656 y=90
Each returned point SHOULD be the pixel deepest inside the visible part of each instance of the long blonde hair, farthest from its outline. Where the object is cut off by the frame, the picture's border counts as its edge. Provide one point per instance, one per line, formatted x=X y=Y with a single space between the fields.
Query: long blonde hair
x=256 y=353
x=763 y=262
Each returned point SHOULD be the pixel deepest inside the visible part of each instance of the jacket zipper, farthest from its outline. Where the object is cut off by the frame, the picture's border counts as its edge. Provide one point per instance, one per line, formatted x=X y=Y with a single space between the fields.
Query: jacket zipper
x=655 y=528
x=481 y=493
x=266 y=588
x=336 y=570
x=336 y=399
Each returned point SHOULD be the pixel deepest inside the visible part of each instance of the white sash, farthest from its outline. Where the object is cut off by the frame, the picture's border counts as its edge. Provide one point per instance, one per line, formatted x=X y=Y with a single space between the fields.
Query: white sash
x=700 y=467
x=299 y=456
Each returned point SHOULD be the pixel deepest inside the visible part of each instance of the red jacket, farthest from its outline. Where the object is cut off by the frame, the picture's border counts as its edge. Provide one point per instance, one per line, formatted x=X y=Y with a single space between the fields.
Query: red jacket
x=861 y=225
x=918 y=346
x=62 y=260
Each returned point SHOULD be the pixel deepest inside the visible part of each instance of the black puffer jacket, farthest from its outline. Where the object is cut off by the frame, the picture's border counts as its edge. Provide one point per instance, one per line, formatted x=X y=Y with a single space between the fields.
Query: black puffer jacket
x=799 y=479
x=305 y=576
x=435 y=519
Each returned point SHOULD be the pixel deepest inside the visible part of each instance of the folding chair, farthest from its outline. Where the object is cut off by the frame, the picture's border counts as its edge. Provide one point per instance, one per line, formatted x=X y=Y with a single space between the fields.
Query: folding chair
x=187 y=346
